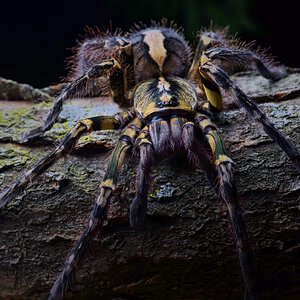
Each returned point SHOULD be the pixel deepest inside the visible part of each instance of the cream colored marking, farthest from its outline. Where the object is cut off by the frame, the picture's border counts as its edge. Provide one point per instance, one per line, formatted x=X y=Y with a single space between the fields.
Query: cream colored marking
x=163 y=85
x=155 y=40
x=212 y=143
x=205 y=123
x=206 y=40
x=223 y=158
x=206 y=105
x=165 y=97
x=107 y=183
x=203 y=60
x=144 y=141
x=88 y=123
x=214 y=98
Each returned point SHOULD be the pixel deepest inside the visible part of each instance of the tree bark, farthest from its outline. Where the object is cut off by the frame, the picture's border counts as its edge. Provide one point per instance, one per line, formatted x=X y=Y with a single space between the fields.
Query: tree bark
x=188 y=251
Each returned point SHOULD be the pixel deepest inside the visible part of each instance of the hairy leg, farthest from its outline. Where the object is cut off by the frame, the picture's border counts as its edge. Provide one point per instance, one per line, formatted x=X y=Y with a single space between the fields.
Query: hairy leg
x=71 y=89
x=138 y=207
x=98 y=214
x=221 y=178
x=221 y=79
x=66 y=146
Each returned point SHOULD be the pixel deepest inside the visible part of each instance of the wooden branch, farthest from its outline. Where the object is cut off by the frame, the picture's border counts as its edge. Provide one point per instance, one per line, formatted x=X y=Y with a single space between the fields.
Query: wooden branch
x=188 y=251
x=12 y=90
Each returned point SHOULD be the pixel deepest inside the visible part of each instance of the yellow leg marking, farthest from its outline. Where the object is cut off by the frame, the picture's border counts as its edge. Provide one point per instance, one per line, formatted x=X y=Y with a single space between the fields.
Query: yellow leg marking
x=212 y=143
x=108 y=183
x=143 y=137
x=204 y=123
x=206 y=105
x=116 y=64
x=205 y=40
x=131 y=132
x=107 y=123
x=144 y=141
x=204 y=59
x=77 y=129
x=222 y=158
x=88 y=123
x=213 y=96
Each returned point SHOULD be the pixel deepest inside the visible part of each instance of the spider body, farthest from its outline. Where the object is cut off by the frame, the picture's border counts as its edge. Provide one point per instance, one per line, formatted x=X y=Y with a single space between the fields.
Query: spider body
x=167 y=100
x=158 y=97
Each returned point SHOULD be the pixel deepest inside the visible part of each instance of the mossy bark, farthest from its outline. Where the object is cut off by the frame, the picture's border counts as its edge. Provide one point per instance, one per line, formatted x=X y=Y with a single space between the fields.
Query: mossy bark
x=188 y=251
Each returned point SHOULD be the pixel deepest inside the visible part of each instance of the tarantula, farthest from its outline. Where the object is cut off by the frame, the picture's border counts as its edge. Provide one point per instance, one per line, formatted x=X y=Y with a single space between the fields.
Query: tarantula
x=168 y=98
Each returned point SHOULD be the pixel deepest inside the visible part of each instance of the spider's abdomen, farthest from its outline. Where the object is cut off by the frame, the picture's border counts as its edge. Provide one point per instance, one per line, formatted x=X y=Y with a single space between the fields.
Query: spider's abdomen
x=158 y=52
x=161 y=96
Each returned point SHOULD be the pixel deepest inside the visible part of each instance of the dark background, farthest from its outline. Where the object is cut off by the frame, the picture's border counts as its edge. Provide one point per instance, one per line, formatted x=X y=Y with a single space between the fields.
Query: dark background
x=36 y=36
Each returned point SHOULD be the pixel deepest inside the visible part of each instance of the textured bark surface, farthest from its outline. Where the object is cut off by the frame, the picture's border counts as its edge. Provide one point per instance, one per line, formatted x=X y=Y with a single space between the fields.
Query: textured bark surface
x=12 y=90
x=188 y=251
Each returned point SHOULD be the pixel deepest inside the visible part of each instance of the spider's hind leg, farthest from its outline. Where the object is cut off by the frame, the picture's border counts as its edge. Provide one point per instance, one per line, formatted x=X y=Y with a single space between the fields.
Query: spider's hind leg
x=221 y=178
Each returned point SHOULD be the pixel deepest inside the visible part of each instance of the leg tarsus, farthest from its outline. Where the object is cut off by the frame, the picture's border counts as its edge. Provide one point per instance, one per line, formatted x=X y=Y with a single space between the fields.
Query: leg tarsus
x=251 y=295
x=138 y=211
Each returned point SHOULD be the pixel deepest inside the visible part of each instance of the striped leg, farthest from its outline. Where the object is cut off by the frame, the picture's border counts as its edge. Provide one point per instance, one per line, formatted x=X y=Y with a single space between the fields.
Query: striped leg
x=244 y=58
x=138 y=207
x=219 y=77
x=70 y=90
x=98 y=215
x=223 y=183
x=66 y=146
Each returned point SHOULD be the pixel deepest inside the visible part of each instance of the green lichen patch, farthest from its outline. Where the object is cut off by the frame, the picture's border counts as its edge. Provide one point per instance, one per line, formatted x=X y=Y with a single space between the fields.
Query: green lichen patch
x=16 y=120
x=13 y=157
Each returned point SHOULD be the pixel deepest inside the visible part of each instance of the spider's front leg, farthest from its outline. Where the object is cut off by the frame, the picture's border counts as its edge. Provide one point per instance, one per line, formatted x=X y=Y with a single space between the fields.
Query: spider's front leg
x=116 y=86
x=231 y=57
x=214 y=49
x=221 y=80
x=221 y=178
x=100 y=209
x=66 y=146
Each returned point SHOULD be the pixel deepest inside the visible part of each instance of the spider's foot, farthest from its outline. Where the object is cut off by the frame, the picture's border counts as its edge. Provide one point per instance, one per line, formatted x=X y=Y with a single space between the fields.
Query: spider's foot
x=138 y=212
x=278 y=73
x=32 y=135
x=57 y=291
x=251 y=295
x=296 y=162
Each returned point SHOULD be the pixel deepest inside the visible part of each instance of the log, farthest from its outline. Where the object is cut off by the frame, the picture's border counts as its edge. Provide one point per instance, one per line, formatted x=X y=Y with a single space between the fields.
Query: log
x=188 y=250
x=12 y=90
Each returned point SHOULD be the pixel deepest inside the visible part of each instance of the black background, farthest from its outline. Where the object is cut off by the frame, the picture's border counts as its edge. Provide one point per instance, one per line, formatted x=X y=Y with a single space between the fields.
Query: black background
x=36 y=37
